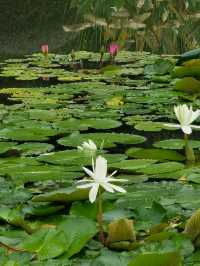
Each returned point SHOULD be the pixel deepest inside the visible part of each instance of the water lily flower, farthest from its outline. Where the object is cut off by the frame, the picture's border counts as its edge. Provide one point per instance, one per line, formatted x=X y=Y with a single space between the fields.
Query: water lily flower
x=45 y=49
x=99 y=179
x=185 y=116
x=113 y=49
x=89 y=147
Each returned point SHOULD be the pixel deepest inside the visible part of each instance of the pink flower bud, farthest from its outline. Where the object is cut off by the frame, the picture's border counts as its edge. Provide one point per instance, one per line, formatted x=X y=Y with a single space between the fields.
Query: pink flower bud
x=45 y=49
x=113 y=49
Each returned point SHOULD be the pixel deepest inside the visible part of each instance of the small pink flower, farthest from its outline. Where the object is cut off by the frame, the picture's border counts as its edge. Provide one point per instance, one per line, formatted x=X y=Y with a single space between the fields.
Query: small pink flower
x=113 y=49
x=45 y=49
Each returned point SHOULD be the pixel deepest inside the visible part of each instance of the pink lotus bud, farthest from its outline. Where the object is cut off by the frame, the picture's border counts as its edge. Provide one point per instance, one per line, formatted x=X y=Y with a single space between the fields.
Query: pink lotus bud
x=45 y=49
x=113 y=49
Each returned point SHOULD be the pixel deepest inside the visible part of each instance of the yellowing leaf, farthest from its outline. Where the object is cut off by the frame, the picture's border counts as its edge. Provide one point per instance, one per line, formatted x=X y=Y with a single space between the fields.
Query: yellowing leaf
x=115 y=101
x=192 y=227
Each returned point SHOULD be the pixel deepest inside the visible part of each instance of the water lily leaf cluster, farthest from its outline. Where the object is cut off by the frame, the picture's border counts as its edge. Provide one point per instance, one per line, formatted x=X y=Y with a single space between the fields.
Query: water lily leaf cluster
x=48 y=107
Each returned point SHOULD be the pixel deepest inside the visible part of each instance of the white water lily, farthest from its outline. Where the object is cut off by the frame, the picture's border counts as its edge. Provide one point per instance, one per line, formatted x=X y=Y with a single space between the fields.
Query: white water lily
x=99 y=179
x=185 y=116
x=89 y=146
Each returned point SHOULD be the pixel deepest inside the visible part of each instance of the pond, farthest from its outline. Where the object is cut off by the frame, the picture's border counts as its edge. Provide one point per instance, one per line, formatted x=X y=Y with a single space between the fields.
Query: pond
x=49 y=105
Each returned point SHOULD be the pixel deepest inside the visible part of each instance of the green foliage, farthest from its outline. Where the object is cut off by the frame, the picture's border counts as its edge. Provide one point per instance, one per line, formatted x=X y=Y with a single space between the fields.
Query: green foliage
x=42 y=212
x=68 y=237
x=165 y=259
x=192 y=227
x=151 y=22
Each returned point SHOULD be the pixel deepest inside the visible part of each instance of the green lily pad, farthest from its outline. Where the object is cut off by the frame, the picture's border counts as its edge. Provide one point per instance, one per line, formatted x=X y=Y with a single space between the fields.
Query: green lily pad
x=160 y=67
x=155 y=154
x=157 y=259
x=84 y=124
x=22 y=174
x=175 y=144
x=35 y=148
x=75 y=158
x=161 y=168
x=149 y=126
x=7 y=146
x=108 y=139
x=132 y=165
x=68 y=194
x=188 y=84
x=27 y=134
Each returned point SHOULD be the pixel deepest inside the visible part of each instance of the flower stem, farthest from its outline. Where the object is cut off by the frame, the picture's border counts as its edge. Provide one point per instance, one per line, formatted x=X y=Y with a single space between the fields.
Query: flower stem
x=189 y=152
x=11 y=249
x=100 y=218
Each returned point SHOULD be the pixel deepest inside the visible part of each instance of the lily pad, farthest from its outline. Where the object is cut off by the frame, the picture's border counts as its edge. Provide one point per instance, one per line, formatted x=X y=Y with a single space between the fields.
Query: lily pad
x=175 y=144
x=84 y=124
x=132 y=165
x=35 y=148
x=161 y=168
x=155 y=154
x=69 y=194
x=107 y=139
x=27 y=134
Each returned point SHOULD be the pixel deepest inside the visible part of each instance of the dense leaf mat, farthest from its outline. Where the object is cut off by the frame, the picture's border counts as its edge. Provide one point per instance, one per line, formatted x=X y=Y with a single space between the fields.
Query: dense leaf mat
x=44 y=218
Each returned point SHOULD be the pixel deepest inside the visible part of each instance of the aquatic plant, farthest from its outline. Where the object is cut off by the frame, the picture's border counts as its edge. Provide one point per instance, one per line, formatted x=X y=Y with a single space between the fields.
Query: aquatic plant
x=185 y=115
x=113 y=50
x=99 y=180
x=141 y=25
x=45 y=49
x=88 y=147
x=41 y=210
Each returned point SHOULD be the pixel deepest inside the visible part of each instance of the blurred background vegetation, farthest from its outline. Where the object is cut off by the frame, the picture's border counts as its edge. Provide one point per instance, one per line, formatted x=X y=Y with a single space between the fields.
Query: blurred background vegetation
x=159 y=26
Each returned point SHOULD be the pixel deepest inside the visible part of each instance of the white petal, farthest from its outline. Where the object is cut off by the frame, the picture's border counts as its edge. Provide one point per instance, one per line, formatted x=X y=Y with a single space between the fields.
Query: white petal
x=100 y=168
x=195 y=115
x=89 y=172
x=172 y=125
x=85 y=180
x=92 y=145
x=107 y=187
x=116 y=180
x=119 y=189
x=93 y=193
x=80 y=148
x=93 y=164
x=193 y=126
x=86 y=146
x=186 y=129
x=85 y=185
x=183 y=114
x=177 y=112
x=188 y=117
x=113 y=173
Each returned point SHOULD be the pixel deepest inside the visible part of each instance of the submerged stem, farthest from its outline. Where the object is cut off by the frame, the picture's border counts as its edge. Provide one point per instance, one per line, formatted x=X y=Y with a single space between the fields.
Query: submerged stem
x=11 y=249
x=189 y=152
x=100 y=218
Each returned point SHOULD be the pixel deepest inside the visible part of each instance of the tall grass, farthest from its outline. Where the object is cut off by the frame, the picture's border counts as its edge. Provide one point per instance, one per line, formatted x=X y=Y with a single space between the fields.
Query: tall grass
x=169 y=26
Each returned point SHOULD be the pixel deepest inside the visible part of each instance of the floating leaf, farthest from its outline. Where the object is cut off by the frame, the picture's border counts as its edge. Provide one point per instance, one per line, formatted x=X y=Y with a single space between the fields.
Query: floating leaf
x=158 y=259
x=84 y=124
x=35 y=148
x=121 y=230
x=132 y=165
x=161 y=168
x=192 y=227
x=155 y=154
x=175 y=144
x=69 y=194
x=108 y=139
x=149 y=126
x=188 y=84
